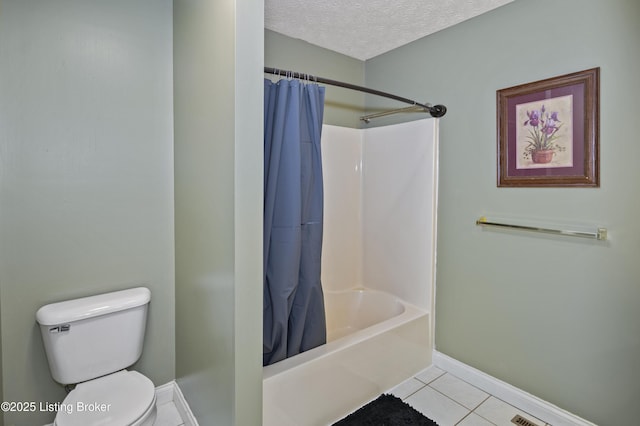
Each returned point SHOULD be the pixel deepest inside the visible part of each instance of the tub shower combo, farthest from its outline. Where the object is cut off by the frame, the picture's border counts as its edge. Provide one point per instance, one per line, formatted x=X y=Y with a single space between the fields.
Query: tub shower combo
x=378 y=269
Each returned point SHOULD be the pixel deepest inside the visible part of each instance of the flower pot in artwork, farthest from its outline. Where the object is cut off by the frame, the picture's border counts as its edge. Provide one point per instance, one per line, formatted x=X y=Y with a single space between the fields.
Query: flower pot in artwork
x=542 y=156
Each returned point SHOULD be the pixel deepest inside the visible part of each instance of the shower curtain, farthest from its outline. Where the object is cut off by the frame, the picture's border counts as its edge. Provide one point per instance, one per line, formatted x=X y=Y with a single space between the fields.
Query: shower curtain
x=294 y=318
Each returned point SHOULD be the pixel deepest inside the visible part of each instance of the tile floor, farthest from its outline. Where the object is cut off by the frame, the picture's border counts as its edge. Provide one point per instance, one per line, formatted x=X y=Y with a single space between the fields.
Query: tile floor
x=450 y=401
x=437 y=394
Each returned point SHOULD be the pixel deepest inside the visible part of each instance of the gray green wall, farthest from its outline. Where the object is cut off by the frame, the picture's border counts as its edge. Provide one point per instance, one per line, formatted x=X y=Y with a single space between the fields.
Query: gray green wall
x=342 y=107
x=218 y=90
x=86 y=181
x=556 y=317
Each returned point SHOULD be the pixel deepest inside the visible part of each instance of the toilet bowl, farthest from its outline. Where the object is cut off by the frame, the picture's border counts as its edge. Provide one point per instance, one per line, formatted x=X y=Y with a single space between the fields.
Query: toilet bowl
x=125 y=398
x=90 y=342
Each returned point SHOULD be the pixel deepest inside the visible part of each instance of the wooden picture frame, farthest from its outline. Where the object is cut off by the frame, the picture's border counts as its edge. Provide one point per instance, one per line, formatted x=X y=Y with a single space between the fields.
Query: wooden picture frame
x=548 y=132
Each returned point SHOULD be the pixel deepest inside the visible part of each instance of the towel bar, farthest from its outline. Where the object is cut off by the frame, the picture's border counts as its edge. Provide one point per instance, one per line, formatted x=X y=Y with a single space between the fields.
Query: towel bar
x=600 y=234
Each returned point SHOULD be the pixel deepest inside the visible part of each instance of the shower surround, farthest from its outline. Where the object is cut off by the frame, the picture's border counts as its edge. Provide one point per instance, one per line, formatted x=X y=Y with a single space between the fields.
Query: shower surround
x=378 y=272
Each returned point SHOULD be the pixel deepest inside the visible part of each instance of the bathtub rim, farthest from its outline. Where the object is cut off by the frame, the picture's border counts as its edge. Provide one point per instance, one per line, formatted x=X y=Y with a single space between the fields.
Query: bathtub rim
x=411 y=312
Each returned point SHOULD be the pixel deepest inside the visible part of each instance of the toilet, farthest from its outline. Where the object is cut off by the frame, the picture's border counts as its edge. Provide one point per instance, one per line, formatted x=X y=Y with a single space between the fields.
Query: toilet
x=89 y=343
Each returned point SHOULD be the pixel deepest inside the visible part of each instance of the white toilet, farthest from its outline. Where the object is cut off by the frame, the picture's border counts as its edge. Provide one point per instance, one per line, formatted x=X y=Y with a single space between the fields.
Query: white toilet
x=89 y=342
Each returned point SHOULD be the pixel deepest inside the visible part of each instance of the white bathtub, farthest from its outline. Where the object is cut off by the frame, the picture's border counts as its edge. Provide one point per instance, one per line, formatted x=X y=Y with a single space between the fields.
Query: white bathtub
x=374 y=342
x=352 y=310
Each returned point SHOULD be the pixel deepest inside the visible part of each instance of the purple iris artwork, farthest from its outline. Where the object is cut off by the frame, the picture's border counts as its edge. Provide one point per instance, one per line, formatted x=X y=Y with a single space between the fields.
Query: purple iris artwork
x=541 y=132
x=542 y=126
x=548 y=132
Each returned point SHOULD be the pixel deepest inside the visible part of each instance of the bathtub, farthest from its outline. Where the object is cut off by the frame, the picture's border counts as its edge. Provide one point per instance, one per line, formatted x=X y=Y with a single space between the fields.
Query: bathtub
x=374 y=342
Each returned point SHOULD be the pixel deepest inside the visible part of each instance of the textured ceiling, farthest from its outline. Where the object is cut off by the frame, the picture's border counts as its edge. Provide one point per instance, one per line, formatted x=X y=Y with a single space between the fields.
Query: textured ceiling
x=363 y=29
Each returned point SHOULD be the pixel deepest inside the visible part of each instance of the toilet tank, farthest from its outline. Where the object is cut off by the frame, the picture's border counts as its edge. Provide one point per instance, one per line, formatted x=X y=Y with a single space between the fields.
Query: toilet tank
x=93 y=336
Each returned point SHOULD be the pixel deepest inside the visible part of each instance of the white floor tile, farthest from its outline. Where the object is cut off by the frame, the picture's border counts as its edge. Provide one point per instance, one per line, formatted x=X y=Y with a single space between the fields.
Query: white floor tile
x=474 y=420
x=437 y=407
x=407 y=388
x=168 y=415
x=460 y=391
x=429 y=375
x=501 y=413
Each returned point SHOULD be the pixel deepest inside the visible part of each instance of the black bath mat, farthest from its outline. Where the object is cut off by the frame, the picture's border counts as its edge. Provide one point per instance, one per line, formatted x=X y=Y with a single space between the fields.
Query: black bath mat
x=387 y=410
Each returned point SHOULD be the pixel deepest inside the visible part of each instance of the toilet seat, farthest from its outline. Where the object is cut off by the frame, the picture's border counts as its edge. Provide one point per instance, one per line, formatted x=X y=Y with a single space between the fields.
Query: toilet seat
x=125 y=398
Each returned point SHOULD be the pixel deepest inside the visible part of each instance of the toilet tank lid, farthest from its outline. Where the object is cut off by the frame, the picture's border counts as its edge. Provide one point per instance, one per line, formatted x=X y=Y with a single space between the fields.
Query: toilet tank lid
x=92 y=306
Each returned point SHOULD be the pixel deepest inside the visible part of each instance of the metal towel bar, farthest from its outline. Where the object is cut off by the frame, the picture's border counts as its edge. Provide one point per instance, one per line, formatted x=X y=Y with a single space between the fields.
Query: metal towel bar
x=600 y=234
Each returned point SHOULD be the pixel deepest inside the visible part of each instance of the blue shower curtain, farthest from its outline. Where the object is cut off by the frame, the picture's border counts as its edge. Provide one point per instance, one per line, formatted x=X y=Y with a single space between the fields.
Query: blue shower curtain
x=294 y=319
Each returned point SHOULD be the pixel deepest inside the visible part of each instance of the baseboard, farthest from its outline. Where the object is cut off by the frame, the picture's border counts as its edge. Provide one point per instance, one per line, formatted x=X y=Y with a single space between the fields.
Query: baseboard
x=171 y=392
x=164 y=393
x=510 y=394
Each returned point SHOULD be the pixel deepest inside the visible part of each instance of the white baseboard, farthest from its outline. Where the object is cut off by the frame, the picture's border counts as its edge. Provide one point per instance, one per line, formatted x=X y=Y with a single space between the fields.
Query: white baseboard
x=164 y=393
x=171 y=392
x=510 y=394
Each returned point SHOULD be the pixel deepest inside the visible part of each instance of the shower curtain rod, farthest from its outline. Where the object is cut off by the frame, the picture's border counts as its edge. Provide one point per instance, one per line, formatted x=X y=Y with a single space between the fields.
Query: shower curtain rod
x=435 y=110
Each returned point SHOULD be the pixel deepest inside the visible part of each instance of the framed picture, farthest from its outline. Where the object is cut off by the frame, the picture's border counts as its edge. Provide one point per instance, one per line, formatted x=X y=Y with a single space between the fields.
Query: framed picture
x=548 y=132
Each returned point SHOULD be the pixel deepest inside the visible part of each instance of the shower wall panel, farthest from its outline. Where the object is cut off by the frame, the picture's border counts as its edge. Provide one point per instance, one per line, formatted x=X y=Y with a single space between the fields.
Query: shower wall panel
x=342 y=239
x=399 y=209
x=380 y=209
